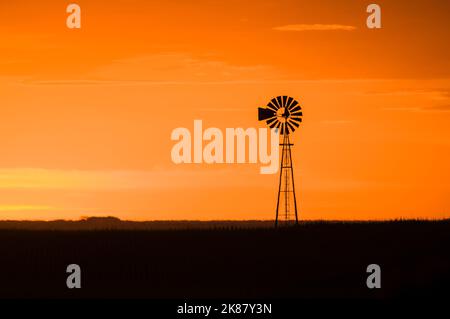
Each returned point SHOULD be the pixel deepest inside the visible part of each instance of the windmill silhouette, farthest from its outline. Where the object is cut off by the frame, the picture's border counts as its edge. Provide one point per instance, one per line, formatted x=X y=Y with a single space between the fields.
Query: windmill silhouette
x=284 y=114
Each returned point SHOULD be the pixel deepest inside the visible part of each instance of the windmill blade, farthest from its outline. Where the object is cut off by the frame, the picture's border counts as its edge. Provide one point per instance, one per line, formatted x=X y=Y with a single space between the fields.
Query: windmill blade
x=282 y=129
x=274 y=124
x=298 y=119
x=286 y=127
x=293 y=104
x=298 y=113
x=285 y=100
x=294 y=122
x=289 y=102
x=264 y=114
x=295 y=109
x=272 y=106
x=270 y=121
x=275 y=102
x=290 y=126
x=280 y=101
x=277 y=126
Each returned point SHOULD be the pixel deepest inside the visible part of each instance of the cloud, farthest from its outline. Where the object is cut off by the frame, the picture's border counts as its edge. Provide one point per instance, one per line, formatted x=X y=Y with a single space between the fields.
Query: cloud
x=433 y=94
x=180 y=68
x=415 y=100
x=123 y=180
x=168 y=69
x=315 y=27
x=19 y=208
x=37 y=178
x=437 y=108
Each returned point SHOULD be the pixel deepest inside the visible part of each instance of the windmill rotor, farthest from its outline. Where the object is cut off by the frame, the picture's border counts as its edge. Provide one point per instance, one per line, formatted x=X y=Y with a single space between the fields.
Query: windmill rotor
x=283 y=113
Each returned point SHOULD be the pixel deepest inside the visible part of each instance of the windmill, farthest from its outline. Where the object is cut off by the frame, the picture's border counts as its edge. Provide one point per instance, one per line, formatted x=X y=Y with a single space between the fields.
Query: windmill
x=284 y=114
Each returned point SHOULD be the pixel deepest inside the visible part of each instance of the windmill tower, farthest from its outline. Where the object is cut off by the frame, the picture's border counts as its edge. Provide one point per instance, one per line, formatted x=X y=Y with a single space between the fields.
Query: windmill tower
x=285 y=114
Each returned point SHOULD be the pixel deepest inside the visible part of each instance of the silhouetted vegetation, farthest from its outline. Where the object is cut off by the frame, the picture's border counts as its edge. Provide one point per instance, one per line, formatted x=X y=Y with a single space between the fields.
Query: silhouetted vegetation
x=225 y=259
x=114 y=223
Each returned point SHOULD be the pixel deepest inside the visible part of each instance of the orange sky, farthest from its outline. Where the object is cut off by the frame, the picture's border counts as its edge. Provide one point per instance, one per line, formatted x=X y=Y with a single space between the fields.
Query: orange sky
x=86 y=115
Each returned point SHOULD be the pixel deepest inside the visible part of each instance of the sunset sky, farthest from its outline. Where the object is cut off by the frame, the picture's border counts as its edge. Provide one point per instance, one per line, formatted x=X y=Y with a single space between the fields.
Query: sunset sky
x=86 y=115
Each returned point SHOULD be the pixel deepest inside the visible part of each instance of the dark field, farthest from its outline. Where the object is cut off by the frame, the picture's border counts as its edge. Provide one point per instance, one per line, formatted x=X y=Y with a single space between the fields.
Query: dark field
x=231 y=260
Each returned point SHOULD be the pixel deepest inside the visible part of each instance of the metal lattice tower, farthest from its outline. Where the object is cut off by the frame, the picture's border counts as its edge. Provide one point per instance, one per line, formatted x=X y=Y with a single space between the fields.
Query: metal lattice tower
x=286 y=187
x=284 y=114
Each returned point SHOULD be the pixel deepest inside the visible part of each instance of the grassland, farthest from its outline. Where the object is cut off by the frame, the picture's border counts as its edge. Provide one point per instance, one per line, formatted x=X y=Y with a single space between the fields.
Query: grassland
x=224 y=259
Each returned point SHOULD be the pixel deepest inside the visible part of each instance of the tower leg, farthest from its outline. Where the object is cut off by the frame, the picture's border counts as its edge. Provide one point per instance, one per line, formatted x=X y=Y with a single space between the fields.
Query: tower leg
x=293 y=185
x=279 y=184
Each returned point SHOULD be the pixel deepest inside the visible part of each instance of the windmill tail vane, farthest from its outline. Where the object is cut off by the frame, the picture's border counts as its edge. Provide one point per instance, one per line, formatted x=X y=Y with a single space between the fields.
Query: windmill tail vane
x=284 y=113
